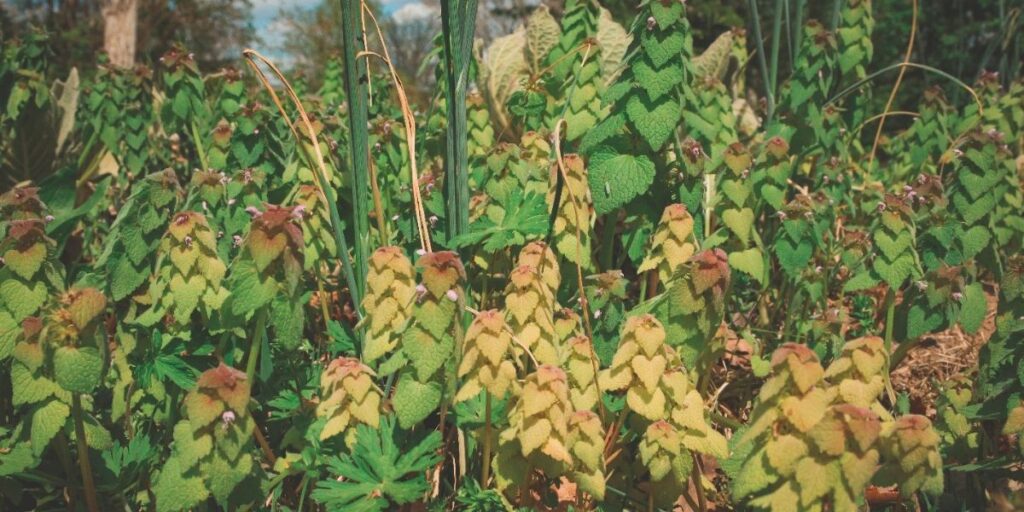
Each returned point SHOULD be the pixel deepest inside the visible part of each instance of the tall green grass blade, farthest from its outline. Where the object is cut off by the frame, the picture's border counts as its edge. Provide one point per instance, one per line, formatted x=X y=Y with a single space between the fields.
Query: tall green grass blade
x=458 y=21
x=356 y=81
x=761 y=59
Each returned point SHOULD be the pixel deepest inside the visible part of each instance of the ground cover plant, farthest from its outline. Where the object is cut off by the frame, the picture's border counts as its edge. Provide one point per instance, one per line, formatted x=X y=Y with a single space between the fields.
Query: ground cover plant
x=600 y=269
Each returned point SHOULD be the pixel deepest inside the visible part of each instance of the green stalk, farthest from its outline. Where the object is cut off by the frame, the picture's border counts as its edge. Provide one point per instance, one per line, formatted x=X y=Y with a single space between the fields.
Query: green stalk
x=798 y=31
x=761 y=60
x=257 y=344
x=608 y=237
x=457 y=24
x=856 y=85
x=776 y=46
x=88 y=485
x=890 y=318
x=356 y=94
x=199 y=146
x=487 y=440
x=837 y=8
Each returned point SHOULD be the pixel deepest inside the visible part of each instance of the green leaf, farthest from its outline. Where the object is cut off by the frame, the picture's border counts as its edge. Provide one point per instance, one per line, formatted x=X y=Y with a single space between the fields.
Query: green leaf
x=287 y=318
x=654 y=120
x=666 y=13
x=657 y=82
x=177 y=491
x=975 y=240
x=974 y=308
x=860 y=281
x=896 y=272
x=23 y=298
x=740 y=222
x=615 y=179
x=414 y=400
x=78 y=370
x=248 y=291
x=524 y=217
x=29 y=387
x=750 y=261
x=379 y=473
x=46 y=422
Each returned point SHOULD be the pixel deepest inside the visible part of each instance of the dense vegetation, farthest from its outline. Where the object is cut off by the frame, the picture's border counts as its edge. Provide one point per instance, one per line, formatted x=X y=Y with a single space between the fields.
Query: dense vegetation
x=597 y=271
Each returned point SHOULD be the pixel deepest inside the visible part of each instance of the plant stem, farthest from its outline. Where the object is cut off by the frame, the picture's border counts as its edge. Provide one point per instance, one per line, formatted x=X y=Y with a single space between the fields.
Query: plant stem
x=698 y=477
x=302 y=495
x=761 y=59
x=776 y=46
x=256 y=345
x=65 y=460
x=608 y=237
x=88 y=485
x=487 y=440
x=890 y=317
x=199 y=146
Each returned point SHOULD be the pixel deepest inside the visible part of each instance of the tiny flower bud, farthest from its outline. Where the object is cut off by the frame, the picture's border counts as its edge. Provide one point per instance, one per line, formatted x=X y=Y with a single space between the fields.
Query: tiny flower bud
x=957 y=296
x=298 y=212
x=452 y=295
x=236 y=241
x=253 y=211
x=48 y=219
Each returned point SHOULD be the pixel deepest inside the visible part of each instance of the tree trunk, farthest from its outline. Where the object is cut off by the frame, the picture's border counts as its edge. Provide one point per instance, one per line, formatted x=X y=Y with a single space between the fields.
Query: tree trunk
x=120 y=24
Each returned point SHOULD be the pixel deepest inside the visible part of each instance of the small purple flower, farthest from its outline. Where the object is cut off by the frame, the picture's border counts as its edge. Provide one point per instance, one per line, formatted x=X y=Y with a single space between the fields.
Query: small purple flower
x=452 y=295
x=48 y=219
x=298 y=212
x=236 y=241
x=881 y=206
x=781 y=215
x=253 y=211
x=420 y=252
x=957 y=296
